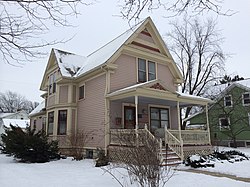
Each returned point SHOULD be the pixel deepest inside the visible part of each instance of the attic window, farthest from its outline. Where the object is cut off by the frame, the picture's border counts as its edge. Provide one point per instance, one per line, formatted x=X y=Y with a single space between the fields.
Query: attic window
x=228 y=101
x=246 y=99
x=52 y=83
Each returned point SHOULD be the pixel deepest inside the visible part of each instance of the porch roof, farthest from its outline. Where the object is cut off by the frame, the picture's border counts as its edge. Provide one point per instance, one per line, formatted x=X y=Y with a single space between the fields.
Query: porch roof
x=148 y=89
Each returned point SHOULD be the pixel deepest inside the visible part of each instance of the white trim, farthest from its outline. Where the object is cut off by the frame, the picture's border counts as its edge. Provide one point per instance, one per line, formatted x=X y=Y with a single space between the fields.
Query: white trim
x=78 y=92
x=147 y=68
x=159 y=106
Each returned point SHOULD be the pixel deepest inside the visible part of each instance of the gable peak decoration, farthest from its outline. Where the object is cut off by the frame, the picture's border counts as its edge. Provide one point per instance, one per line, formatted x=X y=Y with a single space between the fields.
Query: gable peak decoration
x=158 y=86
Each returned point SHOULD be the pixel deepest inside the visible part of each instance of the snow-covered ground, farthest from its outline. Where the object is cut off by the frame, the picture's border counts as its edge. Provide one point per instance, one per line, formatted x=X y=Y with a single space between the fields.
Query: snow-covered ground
x=64 y=173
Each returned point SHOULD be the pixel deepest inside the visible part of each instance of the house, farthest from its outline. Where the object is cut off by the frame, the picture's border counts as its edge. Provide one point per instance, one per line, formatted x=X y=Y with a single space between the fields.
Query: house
x=229 y=116
x=128 y=84
x=19 y=118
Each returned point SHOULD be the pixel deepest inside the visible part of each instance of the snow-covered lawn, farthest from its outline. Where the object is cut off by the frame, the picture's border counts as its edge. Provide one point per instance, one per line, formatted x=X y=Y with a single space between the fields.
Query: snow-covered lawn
x=64 y=173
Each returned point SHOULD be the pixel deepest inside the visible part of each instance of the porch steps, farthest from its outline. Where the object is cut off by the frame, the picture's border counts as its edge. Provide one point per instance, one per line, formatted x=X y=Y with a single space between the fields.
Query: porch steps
x=170 y=158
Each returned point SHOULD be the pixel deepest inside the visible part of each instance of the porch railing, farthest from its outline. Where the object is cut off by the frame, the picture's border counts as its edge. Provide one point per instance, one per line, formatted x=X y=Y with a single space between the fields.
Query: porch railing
x=135 y=137
x=174 y=143
x=192 y=137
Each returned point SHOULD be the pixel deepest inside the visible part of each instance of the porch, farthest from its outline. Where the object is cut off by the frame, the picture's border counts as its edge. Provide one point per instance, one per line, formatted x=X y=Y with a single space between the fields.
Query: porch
x=151 y=109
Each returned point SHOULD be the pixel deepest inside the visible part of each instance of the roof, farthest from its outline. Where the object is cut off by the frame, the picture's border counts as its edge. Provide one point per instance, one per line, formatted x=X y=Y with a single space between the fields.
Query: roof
x=16 y=122
x=3 y=115
x=38 y=109
x=218 y=91
x=72 y=65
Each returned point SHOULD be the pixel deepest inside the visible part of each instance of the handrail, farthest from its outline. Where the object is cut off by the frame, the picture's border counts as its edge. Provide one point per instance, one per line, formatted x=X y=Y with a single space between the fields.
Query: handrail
x=175 y=144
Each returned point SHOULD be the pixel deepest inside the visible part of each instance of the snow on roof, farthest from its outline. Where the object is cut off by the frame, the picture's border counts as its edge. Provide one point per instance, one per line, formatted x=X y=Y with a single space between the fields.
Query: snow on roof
x=38 y=109
x=72 y=65
x=193 y=97
x=3 y=115
x=104 y=53
x=69 y=63
x=16 y=122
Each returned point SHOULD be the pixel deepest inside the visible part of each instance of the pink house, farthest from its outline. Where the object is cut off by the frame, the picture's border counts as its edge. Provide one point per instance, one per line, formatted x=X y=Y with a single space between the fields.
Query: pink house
x=129 y=83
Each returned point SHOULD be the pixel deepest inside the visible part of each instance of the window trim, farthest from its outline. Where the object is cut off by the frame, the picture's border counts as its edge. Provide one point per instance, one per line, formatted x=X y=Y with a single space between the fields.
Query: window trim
x=84 y=90
x=58 y=122
x=224 y=127
x=231 y=100
x=147 y=69
x=243 y=103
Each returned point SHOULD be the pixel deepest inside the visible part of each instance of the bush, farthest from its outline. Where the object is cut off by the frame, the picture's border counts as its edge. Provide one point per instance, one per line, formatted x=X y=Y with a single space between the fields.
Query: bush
x=29 y=146
x=102 y=159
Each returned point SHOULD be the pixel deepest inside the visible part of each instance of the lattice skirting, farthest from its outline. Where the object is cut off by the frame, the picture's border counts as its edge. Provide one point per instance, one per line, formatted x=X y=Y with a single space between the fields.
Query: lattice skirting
x=119 y=154
x=196 y=150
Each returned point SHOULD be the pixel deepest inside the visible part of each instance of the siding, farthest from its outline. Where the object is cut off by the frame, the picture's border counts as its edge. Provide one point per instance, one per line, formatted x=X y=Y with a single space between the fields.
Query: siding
x=91 y=112
x=51 y=100
x=73 y=121
x=174 y=118
x=165 y=75
x=63 y=97
x=146 y=38
x=125 y=74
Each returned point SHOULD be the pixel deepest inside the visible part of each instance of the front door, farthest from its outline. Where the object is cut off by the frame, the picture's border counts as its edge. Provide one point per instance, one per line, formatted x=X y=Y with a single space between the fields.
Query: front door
x=129 y=117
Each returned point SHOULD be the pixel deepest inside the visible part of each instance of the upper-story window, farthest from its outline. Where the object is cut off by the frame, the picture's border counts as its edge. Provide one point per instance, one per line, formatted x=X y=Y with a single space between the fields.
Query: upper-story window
x=62 y=122
x=228 y=101
x=52 y=83
x=146 y=70
x=246 y=98
x=81 y=92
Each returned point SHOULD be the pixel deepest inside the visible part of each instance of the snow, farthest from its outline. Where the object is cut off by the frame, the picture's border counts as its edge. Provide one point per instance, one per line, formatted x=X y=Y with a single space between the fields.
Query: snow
x=67 y=173
x=16 y=122
x=38 y=109
x=69 y=61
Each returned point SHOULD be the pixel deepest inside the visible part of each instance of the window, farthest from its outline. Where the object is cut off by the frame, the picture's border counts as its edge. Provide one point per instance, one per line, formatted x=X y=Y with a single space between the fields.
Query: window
x=159 y=117
x=146 y=70
x=224 y=123
x=142 y=76
x=246 y=98
x=34 y=124
x=151 y=71
x=81 y=92
x=50 y=122
x=44 y=123
x=228 y=101
x=52 y=83
x=62 y=122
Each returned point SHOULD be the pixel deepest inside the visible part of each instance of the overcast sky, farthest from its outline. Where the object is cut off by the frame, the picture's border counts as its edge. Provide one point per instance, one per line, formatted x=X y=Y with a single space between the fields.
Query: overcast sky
x=98 y=24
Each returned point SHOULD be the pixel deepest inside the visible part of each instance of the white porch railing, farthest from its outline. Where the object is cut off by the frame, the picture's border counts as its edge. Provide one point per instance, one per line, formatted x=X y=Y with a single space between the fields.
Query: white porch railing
x=192 y=137
x=175 y=144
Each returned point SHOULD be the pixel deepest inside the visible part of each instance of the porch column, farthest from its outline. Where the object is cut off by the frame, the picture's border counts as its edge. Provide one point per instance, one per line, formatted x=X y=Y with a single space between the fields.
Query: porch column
x=179 y=119
x=208 y=128
x=136 y=113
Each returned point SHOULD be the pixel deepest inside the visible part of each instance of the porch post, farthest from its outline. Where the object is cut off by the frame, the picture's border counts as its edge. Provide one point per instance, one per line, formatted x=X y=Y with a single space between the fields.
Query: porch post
x=136 y=112
x=136 y=120
x=179 y=119
x=208 y=128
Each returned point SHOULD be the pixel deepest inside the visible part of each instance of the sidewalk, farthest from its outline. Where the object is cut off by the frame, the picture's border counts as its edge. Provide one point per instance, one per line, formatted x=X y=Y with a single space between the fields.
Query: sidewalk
x=216 y=174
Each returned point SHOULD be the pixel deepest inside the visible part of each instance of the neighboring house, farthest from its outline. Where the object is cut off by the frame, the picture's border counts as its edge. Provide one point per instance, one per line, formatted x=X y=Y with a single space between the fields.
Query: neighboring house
x=229 y=116
x=129 y=82
x=19 y=118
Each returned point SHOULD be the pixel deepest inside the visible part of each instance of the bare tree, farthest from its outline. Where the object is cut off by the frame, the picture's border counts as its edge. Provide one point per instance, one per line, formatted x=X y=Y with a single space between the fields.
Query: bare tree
x=138 y=154
x=132 y=9
x=197 y=51
x=13 y=102
x=24 y=22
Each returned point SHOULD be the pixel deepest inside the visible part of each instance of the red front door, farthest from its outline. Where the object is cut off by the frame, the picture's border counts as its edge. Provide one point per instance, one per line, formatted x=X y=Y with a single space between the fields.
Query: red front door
x=129 y=117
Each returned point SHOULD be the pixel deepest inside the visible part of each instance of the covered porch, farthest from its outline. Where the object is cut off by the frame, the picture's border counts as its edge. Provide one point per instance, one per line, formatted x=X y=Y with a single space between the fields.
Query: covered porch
x=152 y=108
